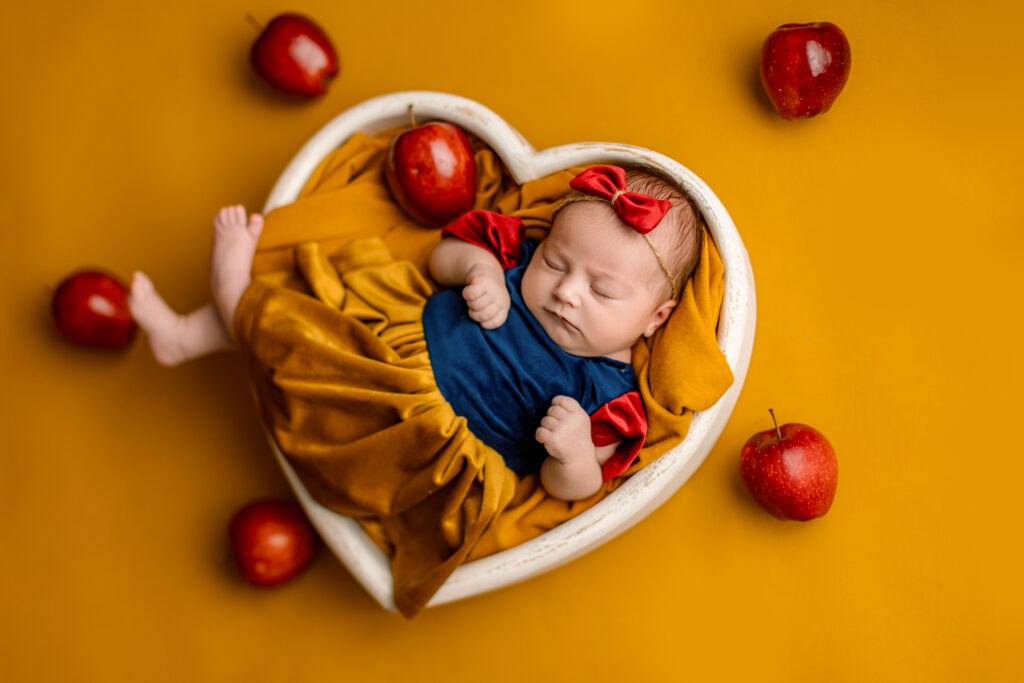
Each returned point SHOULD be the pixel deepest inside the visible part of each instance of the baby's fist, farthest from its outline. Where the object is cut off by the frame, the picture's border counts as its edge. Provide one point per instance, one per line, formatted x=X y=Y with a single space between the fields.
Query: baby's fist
x=565 y=430
x=487 y=296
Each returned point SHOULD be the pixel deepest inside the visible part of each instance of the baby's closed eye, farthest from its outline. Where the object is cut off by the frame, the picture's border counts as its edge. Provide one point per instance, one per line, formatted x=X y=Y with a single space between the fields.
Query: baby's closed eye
x=556 y=266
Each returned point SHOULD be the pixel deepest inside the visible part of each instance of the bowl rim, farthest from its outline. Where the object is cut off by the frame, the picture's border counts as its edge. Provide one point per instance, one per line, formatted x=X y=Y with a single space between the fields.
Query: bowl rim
x=645 y=490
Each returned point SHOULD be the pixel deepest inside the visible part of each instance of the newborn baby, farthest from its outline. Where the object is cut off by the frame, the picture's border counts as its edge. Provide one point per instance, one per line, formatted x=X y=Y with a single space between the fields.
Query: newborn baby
x=534 y=350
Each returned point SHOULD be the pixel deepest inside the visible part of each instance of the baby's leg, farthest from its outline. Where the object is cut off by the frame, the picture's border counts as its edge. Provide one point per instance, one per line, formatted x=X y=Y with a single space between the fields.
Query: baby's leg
x=234 y=245
x=174 y=338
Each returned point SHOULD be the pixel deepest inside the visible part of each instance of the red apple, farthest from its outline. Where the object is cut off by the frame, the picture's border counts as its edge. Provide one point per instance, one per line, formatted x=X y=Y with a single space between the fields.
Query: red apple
x=295 y=56
x=803 y=68
x=432 y=173
x=90 y=308
x=272 y=541
x=791 y=471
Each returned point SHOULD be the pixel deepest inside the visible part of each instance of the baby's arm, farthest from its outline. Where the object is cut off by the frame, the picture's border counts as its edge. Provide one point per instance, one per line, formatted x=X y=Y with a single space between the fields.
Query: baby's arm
x=455 y=262
x=572 y=470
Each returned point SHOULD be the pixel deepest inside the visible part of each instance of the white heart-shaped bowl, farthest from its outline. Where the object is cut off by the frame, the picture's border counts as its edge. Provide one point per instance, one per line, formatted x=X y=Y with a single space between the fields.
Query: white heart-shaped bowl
x=645 y=490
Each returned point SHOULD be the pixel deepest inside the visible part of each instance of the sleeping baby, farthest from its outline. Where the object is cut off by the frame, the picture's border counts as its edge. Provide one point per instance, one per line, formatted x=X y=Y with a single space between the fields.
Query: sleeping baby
x=528 y=345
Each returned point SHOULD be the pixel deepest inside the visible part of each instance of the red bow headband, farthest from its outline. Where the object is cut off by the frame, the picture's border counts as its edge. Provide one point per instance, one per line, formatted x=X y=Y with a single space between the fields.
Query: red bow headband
x=640 y=211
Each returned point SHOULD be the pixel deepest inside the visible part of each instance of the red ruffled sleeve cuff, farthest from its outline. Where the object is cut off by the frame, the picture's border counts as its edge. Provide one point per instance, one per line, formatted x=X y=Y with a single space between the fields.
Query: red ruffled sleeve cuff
x=501 y=235
x=621 y=419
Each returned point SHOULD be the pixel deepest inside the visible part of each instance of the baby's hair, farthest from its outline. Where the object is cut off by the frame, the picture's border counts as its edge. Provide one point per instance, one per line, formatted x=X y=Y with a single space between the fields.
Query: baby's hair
x=682 y=246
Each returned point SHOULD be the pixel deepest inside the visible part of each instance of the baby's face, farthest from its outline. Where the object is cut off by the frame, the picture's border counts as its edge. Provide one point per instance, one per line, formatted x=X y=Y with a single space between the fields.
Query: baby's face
x=590 y=285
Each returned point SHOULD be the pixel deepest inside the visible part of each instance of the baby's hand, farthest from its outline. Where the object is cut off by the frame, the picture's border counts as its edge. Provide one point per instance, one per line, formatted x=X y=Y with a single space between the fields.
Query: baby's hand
x=487 y=296
x=565 y=430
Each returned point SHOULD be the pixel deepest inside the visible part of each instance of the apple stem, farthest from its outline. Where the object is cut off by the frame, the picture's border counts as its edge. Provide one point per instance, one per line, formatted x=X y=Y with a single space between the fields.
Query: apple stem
x=778 y=433
x=412 y=118
x=252 y=20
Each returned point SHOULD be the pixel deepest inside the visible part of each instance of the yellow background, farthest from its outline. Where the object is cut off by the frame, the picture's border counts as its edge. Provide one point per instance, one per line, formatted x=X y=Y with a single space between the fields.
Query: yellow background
x=885 y=238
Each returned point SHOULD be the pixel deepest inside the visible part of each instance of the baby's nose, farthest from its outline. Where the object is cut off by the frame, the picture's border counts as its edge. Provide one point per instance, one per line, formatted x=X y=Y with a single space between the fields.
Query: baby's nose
x=567 y=293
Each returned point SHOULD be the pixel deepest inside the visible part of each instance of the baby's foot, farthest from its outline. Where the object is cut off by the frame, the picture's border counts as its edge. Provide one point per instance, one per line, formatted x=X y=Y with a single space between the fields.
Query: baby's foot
x=162 y=325
x=234 y=245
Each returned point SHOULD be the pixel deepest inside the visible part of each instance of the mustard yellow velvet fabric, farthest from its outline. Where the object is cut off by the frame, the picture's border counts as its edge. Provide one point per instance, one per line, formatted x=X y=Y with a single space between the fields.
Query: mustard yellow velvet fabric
x=331 y=330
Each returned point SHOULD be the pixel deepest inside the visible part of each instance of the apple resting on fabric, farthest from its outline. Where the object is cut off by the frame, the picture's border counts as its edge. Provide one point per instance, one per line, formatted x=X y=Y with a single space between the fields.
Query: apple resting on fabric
x=431 y=172
x=804 y=67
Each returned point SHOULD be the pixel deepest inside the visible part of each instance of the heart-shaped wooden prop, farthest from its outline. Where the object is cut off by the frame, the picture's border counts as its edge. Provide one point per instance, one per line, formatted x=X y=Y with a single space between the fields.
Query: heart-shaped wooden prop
x=645 y=490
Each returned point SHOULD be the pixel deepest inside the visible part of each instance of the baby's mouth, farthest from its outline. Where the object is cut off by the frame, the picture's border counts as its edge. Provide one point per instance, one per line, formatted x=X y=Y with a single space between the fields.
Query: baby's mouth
x=565 y=321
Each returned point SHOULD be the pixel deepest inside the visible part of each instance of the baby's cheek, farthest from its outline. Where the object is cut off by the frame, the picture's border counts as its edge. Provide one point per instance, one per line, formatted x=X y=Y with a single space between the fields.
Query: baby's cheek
x=532 y=289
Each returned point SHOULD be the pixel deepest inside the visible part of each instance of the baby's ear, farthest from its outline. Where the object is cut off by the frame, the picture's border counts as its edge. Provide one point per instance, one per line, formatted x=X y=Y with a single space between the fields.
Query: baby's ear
x=659 y=316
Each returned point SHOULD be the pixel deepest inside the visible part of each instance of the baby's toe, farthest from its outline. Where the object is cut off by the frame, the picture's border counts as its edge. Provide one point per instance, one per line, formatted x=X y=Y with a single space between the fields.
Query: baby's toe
x=255 y=224
x=223 y=219
x=141 y=285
